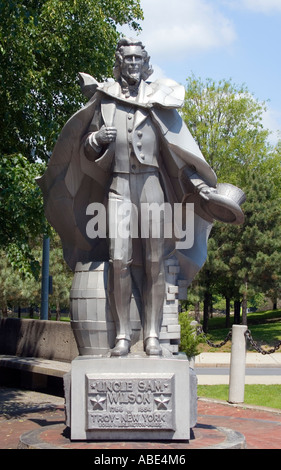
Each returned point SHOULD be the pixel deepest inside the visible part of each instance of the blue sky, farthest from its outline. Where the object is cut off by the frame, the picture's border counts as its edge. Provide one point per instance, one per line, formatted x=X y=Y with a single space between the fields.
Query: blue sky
x=218 y=39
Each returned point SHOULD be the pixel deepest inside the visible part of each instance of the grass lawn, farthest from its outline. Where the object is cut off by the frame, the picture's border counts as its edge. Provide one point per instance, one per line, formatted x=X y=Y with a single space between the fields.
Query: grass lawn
x=259 y=395
x=265 y=329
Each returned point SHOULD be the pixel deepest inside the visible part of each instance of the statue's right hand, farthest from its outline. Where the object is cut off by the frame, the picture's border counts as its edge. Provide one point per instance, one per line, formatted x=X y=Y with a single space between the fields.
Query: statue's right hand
x=106 y=135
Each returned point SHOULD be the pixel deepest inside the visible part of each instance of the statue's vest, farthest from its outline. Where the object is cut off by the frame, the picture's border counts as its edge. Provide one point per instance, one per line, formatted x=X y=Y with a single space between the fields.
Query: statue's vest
x=136 y=146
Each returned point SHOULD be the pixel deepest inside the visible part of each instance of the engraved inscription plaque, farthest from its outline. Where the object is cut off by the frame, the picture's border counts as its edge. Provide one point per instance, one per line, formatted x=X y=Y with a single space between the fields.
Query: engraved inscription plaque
x=120 y=401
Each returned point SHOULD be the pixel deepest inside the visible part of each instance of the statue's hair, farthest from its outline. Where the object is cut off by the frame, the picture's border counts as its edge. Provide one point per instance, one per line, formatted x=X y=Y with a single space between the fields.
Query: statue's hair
x=125 y=42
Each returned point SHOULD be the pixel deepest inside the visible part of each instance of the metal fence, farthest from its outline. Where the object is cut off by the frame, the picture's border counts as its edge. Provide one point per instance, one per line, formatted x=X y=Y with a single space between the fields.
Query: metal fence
x=239 y=335
x=248 y=336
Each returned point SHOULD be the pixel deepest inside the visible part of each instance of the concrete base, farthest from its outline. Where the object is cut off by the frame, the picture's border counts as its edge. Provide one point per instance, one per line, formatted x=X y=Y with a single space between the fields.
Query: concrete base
x=44 y=339
x=131 y=398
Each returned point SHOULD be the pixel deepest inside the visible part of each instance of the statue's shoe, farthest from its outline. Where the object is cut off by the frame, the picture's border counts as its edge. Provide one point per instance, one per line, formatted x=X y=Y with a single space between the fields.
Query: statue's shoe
x=152 y=347
x=122 y=348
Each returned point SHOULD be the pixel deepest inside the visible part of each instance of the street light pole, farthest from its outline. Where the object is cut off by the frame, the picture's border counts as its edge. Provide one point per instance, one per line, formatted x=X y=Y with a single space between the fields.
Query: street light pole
x=45 y=279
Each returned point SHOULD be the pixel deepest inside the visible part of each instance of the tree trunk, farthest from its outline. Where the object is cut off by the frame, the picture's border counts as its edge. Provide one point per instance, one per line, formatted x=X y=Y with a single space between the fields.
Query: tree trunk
x=237 y=305
x=274 y=303
x=5 y=312
x=227 y=312
x=206 y=311
x=197 y=311
x=244 y=304
x=211 y=309
x=58 y=312
x=244 y=309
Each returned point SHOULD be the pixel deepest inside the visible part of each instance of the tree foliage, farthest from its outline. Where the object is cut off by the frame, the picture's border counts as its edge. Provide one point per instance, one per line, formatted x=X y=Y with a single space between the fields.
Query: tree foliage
x=22 y=220
x=189 y=337
x=62 y=278
x=17 y=288
x=226 y=121
x=43 y=46
x=251 y=252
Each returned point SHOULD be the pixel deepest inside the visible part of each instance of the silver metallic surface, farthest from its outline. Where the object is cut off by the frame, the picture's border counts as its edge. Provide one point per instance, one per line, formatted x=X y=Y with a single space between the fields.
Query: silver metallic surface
x=128 y=144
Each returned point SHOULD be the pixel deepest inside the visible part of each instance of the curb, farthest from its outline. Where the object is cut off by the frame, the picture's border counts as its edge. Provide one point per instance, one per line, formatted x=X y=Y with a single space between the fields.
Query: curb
x=240 y=405
x=226 y=439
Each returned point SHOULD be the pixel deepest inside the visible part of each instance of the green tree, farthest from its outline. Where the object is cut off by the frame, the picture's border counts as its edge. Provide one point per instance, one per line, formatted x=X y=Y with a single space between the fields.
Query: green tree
x=9 y=285
x=62 y=278
x=23 y=290
x=43 y=46
x=226 y=121
x=22 y=220
x=189 y=337
x=245 y=260
x=16 y=289
x=256 y=246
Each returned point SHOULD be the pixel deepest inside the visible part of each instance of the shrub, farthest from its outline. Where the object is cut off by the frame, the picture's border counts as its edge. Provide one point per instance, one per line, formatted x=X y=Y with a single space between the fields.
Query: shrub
x=189 y=338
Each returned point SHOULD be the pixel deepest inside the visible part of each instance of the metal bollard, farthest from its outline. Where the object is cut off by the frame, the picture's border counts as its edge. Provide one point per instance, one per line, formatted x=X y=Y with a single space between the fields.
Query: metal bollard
x=237 y=365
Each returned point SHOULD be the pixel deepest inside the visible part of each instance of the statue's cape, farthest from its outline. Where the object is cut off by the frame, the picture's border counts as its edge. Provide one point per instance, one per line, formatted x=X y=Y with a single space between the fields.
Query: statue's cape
x=68 y=188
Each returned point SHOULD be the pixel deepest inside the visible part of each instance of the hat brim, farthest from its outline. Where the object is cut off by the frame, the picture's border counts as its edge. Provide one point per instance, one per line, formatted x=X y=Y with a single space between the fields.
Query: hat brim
x=222 y=208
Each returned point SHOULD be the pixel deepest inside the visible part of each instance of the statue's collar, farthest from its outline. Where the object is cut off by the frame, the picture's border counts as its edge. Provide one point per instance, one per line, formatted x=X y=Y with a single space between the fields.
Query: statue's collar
x=164 y=93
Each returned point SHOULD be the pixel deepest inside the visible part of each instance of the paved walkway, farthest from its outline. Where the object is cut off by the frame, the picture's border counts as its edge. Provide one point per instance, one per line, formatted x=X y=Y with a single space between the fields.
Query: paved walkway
x=24 y=411
x=218 y=359
x=214 y=368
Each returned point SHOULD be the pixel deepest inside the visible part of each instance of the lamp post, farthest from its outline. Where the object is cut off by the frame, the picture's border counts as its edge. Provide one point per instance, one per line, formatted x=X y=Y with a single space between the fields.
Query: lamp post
x=45 y=279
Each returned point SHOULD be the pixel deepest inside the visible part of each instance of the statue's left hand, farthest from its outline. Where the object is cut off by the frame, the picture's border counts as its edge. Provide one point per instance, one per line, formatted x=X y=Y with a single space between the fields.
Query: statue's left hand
x=205 y=191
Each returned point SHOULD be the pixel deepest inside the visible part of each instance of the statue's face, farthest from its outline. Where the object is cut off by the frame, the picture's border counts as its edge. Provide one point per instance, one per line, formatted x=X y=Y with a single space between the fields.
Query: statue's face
x=132 y=64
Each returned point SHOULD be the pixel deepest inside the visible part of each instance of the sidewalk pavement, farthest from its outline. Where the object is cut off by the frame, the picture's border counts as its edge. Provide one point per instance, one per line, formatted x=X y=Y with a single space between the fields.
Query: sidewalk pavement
x=23 y=411
x=218 y=422
x=211 y=368
x=252 y=359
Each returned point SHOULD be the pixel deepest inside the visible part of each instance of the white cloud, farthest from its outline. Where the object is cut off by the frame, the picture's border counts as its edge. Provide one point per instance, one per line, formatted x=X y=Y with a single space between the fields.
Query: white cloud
x=272 y=121
x=262 y=6
x=180 y=28
x=157 y=73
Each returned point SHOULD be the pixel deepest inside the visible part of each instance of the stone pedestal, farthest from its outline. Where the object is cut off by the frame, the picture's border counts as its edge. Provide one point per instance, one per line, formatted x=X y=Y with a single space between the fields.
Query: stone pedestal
x=130 y=398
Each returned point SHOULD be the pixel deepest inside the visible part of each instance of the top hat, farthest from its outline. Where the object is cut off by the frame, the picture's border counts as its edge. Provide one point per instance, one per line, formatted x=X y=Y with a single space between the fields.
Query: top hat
x=224 y=203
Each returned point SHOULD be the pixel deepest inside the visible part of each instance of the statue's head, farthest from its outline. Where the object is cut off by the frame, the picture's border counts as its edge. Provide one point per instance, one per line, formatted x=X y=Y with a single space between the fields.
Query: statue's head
x=132 y=61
